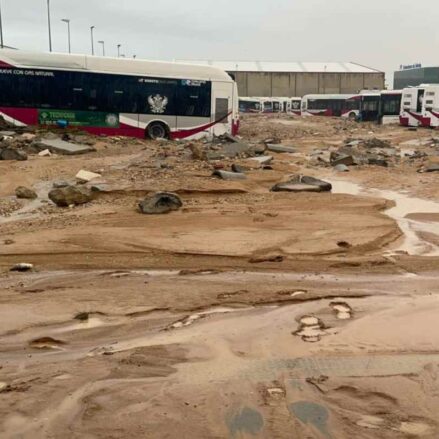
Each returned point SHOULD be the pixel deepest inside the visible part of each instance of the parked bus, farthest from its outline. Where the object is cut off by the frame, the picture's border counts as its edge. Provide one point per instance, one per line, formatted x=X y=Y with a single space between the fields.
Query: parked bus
x=338 y=105
x=390 y=106
x=295 y=106
x=117 y=96
x=430 y=107
x=271 y=105
x=412 y=107
x=250 y=105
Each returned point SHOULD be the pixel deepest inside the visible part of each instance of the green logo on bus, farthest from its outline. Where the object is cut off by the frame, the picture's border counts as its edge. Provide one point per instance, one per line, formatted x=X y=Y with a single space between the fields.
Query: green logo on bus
x=79 y=118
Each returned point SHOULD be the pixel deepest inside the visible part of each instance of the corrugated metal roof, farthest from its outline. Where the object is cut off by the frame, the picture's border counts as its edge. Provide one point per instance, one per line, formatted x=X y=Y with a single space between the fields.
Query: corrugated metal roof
x=293 y=67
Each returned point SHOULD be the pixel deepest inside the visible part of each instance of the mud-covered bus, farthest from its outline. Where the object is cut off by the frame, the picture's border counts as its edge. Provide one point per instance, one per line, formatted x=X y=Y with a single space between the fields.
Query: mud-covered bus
x=117 y=96
x=390 y=105
x=271 y=105
x=430 y=106
x=295 y=106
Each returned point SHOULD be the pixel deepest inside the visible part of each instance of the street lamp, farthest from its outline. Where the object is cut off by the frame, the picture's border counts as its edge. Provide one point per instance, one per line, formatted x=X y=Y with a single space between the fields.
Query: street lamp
x=48 y=21
x=118 y=50
x=66 y=20
x=92 y=40
x=103 y=47
x=1 y=28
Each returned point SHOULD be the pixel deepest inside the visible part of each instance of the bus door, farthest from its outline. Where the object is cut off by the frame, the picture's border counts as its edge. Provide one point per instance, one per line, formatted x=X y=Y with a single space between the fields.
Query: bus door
x=370 y=108
x=222 y=108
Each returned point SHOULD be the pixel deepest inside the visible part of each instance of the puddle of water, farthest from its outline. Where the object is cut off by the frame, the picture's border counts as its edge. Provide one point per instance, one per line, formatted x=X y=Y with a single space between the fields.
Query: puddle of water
x=404 y=206
x=247 y=421
x=311 y=413
x=28 y=211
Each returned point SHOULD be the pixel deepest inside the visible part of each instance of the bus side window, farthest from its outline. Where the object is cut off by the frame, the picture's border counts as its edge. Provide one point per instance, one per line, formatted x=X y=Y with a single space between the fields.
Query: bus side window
x=194 y=100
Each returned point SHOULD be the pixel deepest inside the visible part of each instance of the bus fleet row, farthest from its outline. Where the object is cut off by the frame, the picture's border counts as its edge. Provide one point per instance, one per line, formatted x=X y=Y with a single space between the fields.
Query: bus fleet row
x=414 y=106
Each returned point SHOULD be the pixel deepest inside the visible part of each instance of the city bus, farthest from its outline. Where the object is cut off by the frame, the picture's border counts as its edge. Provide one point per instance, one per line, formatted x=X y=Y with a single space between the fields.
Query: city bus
x=271 y=105
x=338 y=105
x=295 y=106
x=412 y=105
x=430 y=107
x=250 y=105
x=390 y=106
x=117 y=96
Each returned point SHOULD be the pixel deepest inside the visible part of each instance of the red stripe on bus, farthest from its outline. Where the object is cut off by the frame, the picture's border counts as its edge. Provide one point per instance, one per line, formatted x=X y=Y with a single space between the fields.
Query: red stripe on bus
x=181 y=134
x=5 y=64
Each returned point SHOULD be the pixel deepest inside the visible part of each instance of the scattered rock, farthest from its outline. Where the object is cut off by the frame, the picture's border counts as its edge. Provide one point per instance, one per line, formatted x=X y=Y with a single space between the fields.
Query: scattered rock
x=45 y=153
x=22 y=267
x=13 y=154
x=86 y=176
x=301 y=183
x=224 y=175
x=430 y=168
x=25 y=193
x=70 y=195
x=341 y=168
x=281 y=148
x=239 y=169
x=344 y=244
x=160 y=203
x=58 y=146
x=378 y=162
x=60 y=183
x=337 y=159
x=263 y=160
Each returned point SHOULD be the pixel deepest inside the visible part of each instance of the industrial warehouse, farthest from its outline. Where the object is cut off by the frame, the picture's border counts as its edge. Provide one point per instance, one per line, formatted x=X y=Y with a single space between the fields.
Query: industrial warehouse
x=272 y=79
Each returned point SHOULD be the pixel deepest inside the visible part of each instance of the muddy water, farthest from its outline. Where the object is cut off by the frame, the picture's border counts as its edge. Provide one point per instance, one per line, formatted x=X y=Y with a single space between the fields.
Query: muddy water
x=29 y=210
x=405 y=205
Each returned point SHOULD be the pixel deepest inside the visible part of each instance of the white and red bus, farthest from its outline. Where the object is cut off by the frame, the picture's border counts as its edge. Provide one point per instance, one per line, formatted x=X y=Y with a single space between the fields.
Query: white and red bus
x=250 y=105
x=117 y=96
x=412 y=105
x=272 y=105
x=390 y=106
x=337 y=105
x=430 y=107
x=295 y=106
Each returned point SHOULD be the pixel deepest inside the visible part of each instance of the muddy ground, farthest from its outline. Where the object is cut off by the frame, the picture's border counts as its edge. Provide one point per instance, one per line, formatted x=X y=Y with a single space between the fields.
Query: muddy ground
x=245 y=314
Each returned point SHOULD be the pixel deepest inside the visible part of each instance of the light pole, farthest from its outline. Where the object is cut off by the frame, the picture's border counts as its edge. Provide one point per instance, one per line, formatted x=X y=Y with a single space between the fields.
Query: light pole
x=48 y=21
x=118 y=50
x=103 y=47
x=92 y=28
x=1 y=27
x=66 y=20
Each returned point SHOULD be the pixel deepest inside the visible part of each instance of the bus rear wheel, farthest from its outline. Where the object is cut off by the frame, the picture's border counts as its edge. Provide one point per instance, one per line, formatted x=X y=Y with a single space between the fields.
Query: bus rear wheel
x=352 y=116
x=157 y=130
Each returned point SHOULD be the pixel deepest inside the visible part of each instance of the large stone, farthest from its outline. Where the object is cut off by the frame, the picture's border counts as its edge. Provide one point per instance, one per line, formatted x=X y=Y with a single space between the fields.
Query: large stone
x=225 y=175
x=70 y=195
x=86 y=176
x=58 y=146
x=337 y=159
x=303 y=183
x=13 y=154
x=281 y=148
x=25 y=193
x=160 y=203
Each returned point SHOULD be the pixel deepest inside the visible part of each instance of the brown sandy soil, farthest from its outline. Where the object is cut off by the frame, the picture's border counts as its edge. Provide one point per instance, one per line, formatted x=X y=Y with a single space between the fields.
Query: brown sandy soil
x=246 y=314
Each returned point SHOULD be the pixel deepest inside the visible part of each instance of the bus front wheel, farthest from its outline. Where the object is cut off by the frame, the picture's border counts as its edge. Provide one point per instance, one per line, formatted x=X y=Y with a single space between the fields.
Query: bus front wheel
x=157 y=130
x=352 y=116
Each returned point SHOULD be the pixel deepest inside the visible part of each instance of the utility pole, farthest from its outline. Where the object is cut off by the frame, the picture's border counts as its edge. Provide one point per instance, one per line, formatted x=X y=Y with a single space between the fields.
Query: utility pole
x=1 y=28
x=66 y=20
x=118 y=50
x=92 y=40
x=103 y=47
x=48 y=21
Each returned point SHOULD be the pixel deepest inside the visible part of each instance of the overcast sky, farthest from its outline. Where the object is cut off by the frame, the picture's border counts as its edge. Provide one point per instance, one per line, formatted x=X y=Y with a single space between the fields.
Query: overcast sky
x=378 y=33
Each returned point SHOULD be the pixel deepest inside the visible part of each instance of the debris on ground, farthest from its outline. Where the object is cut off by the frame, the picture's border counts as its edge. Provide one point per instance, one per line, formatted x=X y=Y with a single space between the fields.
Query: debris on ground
x=86 y=176
x=160 y=203
x=25 y=193
x=70 y=196
x=302 y=183
x=225 y=175
x=22 y=267
x=59 y=146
